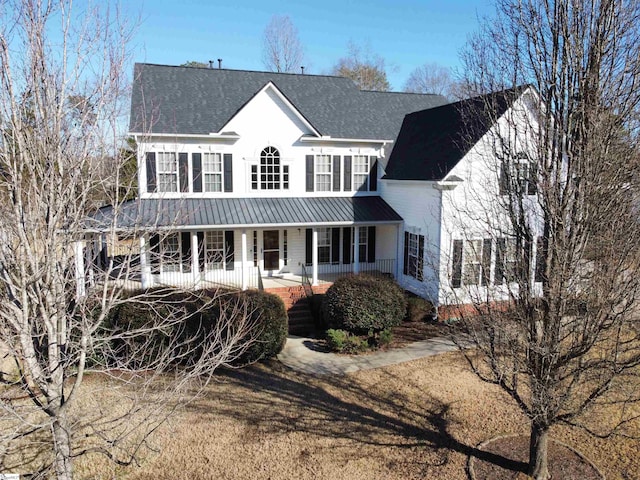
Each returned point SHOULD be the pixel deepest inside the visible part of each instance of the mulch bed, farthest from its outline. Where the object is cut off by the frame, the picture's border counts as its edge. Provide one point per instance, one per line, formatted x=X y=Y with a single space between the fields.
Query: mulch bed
x=408 y=332
x=507 y=459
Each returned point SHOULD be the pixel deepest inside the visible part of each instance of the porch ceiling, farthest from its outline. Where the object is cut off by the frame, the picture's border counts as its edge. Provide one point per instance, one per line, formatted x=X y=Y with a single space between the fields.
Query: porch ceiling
x=249 y=212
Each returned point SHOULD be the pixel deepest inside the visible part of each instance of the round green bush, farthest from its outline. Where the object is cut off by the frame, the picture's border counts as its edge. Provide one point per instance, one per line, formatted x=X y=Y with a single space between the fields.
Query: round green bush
x=363 y=303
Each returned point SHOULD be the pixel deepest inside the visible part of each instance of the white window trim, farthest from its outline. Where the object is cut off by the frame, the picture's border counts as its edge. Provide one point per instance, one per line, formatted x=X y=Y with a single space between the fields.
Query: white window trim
x=218 y=158
x=367 y=181
x=171 y=172
x=317 y=174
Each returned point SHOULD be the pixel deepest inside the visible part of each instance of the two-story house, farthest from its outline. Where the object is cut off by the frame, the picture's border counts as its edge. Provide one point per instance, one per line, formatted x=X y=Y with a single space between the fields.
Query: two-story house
x=245 y=176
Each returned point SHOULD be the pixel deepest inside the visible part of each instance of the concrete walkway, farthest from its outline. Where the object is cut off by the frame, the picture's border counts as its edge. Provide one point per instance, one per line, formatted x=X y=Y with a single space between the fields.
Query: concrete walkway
x=299 y=354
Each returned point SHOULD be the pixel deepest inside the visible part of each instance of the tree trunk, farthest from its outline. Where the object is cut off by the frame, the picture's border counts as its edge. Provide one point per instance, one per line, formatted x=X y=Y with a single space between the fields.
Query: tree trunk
x=538 y=466
x=62 y=450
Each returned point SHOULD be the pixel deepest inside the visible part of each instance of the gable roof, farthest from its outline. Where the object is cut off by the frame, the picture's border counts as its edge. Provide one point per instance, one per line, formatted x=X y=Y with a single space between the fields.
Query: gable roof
x=432 y=142
x=190 y=100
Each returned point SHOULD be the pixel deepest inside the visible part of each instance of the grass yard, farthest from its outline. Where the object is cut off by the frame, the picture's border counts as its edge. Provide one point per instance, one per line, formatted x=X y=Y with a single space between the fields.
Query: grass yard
x=411 y=421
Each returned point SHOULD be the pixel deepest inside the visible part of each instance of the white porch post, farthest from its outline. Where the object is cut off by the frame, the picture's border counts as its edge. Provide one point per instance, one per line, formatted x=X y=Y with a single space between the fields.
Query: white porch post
x=80 y=277
x=399 y=250
x=356 y=250
x=314 y=257
x=244 y=260
x=195 y=264
x=145 y=267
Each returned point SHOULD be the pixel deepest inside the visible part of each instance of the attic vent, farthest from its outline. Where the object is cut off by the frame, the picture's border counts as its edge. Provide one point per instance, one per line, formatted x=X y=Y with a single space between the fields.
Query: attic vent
x=302 y=69
x=210 y=63
x=219 y=63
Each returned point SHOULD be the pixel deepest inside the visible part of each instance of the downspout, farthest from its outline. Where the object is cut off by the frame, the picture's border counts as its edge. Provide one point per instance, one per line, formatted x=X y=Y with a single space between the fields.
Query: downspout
x=436 y=304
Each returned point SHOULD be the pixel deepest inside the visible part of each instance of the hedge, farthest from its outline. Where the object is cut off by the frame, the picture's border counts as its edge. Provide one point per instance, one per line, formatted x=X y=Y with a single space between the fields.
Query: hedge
x=362 y=303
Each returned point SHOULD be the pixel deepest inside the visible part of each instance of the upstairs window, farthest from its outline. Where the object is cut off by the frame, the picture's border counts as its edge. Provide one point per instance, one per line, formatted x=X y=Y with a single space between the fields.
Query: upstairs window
x=270 y=174
x=361 y=173
x=323 y=173
x=167 y=172
x=519 y=175
x=212 y=172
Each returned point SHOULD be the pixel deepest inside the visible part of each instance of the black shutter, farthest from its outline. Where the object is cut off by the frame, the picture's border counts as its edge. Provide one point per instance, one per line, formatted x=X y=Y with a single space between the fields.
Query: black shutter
x=335 y=245
x=346 y=245
x=196 y=160
x=420 y=271
x=405 y=268
x=309 y=173
x=186 y=251
x=228 y=249
x=373 y=175
x=347 y=174
x=183 y=171
x=500 y=251
x=532 y=180
x=228 y=172
x=154 y=254
x=485 y=279
x=371 y=247
x=456 y=273
x=308 y=247
x=336 y=173
x=200 y=236
x=540 y=259
x=504 y=178
x=528 y=251
x=151 y=172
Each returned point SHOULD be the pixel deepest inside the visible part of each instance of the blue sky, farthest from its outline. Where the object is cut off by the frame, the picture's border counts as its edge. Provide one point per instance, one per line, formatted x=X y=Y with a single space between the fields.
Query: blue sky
x=406 y=33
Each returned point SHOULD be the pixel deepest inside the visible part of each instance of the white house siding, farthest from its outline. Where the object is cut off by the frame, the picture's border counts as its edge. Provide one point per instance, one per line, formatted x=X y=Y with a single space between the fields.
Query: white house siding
x=418 y=203
x=474 y=210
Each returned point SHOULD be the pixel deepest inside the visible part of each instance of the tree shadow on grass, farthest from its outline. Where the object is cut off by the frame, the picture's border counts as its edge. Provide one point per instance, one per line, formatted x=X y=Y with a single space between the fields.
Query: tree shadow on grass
x=277 y=400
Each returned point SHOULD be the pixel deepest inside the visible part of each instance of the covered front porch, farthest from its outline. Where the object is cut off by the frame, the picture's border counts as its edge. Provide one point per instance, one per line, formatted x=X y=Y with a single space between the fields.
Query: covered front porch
x=332 y=237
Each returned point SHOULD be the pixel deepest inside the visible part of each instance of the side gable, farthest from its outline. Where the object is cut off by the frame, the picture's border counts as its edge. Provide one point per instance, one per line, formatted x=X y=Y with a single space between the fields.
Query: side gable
x=432 y=142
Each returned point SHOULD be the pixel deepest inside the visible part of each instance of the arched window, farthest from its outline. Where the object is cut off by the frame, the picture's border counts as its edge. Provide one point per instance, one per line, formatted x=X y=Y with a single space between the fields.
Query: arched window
x=273 y=175
x=270 y=169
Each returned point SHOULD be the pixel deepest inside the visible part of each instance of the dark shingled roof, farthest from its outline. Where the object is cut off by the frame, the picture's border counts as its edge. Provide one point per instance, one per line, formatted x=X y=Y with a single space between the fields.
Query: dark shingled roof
x=230 y=212
x=190 y=100
x=432 y=142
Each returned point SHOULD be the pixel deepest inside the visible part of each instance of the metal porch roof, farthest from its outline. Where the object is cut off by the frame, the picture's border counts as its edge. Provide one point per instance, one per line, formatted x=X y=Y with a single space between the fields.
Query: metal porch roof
x=246 y=212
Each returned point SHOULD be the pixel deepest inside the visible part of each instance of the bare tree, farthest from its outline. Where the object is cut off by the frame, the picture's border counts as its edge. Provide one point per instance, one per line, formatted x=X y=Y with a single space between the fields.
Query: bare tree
x=552 y=228
x=433 y=78
x=366 y=69
x=281 y=47
x=62 y=87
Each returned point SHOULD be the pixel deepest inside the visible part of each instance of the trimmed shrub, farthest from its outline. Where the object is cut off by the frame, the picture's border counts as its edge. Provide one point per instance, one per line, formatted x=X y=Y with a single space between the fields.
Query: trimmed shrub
x=344 y=342
x=269 y=311
x=419 y=309
x=362 y=303
x=384 y=338
x=336 y=339
x=199 y=315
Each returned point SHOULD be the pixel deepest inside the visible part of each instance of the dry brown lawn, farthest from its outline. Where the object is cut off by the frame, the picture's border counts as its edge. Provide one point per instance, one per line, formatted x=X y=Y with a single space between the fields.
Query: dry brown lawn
x=411 y=421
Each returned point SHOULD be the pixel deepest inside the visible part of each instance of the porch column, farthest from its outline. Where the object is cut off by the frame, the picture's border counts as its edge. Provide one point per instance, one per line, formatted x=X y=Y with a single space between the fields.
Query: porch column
x=314 y=257
x=80 y=276
x=356 y=250
x=195 y=264
x=399 y=250
x=145 y=266
x=244 y=260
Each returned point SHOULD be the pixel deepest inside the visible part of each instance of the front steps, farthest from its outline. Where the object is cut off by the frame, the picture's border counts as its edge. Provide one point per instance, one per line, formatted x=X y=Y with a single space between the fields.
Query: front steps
x=298 y=307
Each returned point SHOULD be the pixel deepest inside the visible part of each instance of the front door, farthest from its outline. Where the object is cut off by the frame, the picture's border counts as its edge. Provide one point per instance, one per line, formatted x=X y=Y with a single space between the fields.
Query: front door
x=271 y=249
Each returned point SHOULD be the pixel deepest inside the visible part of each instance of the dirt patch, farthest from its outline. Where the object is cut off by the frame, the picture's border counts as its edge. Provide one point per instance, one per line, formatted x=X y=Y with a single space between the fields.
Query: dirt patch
x=506 y=457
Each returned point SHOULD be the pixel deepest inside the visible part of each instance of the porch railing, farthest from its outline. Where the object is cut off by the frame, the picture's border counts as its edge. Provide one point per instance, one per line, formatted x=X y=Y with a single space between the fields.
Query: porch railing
x=306 y=282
